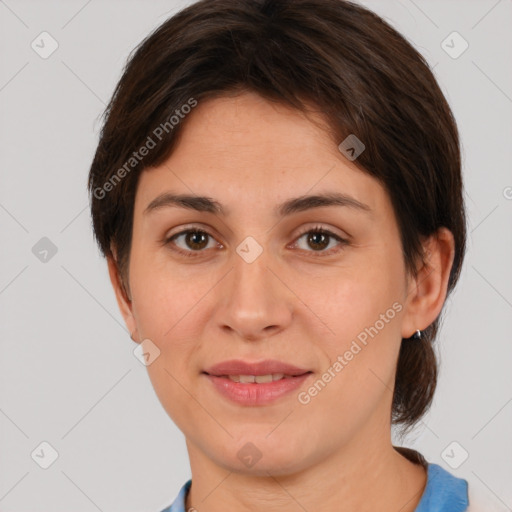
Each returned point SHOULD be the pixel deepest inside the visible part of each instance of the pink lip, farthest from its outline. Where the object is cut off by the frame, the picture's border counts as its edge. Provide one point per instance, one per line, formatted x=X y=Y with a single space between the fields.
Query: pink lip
x=239 y=367
x=253 y=393
x=256 y=394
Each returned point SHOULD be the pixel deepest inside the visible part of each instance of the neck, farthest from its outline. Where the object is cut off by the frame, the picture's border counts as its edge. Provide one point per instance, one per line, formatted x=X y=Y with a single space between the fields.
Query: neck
x=368 y=475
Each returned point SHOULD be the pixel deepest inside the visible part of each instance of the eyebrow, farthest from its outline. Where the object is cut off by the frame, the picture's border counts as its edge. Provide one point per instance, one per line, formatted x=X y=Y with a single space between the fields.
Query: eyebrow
x=294 y=205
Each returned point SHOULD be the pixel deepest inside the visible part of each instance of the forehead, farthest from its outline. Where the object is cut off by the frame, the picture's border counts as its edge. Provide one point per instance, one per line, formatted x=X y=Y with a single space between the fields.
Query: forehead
x=248 y=125
x=246 y=150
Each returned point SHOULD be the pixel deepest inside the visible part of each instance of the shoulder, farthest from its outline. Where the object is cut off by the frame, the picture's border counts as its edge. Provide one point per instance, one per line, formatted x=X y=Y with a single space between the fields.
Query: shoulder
x=446 y=492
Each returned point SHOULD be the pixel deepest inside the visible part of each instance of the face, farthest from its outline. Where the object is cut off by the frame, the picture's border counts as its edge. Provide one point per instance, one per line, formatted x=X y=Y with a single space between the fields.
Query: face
x=255 y=283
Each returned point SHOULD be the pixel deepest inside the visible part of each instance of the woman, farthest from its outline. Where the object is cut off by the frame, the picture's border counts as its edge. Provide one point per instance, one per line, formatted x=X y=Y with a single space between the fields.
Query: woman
x=277 y=190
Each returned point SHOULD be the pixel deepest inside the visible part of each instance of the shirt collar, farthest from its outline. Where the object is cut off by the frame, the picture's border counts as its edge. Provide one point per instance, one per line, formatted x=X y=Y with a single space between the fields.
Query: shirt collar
x=443 y=492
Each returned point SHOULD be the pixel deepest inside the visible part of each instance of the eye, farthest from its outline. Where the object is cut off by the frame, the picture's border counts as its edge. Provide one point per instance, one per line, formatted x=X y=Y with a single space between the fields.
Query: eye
x=195 y=239
x=319 y=238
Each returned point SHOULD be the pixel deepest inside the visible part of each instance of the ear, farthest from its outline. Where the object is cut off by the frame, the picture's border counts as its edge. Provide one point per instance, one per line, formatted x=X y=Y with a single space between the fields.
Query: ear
x=123 y=301
x=427 y=291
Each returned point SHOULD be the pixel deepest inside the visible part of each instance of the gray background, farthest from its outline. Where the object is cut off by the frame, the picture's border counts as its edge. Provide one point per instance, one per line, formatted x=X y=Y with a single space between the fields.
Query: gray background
x=68 y=375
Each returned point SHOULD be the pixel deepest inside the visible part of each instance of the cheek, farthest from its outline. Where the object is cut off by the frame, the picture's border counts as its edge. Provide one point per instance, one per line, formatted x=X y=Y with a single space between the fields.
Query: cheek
x=363 y=316
x=165 y=298
x=351 y=300
x=173 y=390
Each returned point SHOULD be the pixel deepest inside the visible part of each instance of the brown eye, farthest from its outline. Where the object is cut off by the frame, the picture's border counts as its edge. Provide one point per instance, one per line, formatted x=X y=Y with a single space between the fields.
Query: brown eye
x=319 y=239
x=193 y=241
x=196 y=239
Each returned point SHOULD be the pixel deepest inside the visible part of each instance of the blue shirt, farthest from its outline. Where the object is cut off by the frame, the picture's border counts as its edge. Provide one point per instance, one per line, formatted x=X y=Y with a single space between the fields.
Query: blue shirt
x=443 y=493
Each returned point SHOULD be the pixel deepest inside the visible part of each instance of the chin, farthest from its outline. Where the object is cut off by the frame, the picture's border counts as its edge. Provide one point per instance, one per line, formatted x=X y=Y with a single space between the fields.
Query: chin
x=260 y=456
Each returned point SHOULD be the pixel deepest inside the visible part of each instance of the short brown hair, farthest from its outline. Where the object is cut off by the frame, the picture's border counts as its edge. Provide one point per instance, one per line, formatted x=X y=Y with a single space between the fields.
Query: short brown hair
x=362 y=75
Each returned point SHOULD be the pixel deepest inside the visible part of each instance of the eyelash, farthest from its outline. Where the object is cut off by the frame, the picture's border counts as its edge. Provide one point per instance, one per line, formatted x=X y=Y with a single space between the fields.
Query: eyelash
x=316 y=229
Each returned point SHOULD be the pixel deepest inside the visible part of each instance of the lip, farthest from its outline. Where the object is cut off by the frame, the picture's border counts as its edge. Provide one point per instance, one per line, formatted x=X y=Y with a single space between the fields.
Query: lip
x=239 y=367
x=252 y=394
x=256 y=394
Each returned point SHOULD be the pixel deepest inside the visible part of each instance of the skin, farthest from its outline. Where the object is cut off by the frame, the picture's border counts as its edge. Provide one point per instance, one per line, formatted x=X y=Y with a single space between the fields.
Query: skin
x=290 y=304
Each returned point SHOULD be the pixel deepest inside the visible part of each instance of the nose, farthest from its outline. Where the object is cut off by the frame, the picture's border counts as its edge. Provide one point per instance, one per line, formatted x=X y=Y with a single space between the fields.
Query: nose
x=255 y=301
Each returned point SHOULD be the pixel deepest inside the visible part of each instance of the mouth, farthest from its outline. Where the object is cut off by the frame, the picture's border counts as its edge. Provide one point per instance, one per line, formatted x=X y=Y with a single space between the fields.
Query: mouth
x=252 y=384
